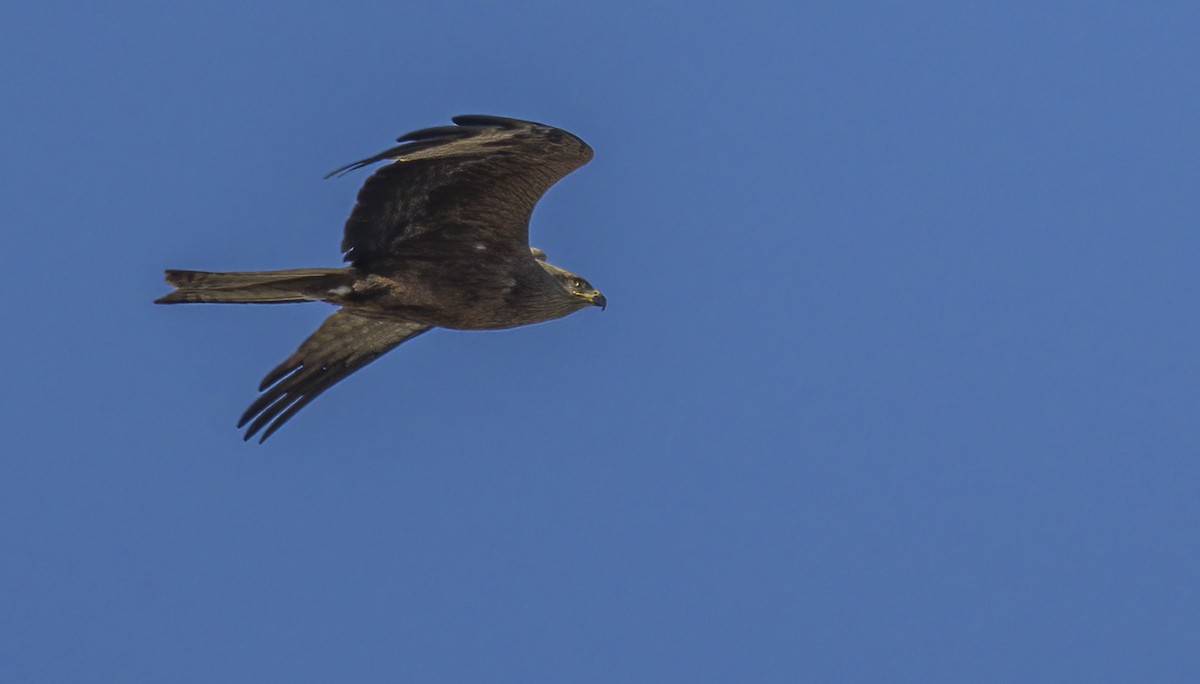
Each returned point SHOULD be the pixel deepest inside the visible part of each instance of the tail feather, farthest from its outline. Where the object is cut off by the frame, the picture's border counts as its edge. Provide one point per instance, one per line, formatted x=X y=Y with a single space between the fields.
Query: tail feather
x=254 y=287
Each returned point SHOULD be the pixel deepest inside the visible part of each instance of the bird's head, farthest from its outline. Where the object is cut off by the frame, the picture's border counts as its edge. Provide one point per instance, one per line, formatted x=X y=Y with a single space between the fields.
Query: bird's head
x=575 y=285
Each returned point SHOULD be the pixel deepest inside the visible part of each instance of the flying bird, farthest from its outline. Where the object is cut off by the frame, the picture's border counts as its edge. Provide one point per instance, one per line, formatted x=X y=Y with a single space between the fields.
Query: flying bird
x=439 y=237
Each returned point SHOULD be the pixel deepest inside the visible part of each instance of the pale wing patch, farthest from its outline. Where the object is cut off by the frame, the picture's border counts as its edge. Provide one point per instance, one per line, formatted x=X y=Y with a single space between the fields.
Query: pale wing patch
x=473 y=145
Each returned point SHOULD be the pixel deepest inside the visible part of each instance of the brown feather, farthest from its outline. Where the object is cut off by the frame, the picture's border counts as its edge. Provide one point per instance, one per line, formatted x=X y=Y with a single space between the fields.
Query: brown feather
x=438 y=237
x=478 y=187
x=344 y=343
x=253 y=287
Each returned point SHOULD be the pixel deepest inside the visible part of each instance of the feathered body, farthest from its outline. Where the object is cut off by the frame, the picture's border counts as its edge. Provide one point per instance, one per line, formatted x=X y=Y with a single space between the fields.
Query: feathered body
x=437 y=238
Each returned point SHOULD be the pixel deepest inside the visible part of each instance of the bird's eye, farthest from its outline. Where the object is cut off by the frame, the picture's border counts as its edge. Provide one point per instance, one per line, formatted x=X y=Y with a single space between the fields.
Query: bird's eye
x=577 y=283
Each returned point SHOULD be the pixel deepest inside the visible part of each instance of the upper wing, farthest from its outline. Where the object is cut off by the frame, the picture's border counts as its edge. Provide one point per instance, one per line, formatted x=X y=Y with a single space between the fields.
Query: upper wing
x=458 y=190
x=344 y=343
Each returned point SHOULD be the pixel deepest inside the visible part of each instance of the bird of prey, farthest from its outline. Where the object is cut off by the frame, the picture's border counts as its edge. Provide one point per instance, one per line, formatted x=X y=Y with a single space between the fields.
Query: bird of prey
x=439 y=237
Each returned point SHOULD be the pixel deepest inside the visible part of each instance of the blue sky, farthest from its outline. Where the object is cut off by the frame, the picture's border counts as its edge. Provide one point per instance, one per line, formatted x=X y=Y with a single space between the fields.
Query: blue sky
x=898 y=379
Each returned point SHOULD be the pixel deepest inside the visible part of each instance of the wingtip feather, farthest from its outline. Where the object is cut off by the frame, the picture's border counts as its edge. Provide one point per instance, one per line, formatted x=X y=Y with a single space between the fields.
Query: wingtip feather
x=466 y=125
x=490 y=121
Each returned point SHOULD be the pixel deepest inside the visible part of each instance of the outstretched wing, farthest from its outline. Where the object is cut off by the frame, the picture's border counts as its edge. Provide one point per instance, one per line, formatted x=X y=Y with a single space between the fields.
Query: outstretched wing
x=344 y=343
x=457 y=191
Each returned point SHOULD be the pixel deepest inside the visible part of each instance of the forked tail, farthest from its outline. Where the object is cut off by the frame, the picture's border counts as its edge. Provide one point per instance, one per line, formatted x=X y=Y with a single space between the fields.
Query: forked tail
x=254 y=287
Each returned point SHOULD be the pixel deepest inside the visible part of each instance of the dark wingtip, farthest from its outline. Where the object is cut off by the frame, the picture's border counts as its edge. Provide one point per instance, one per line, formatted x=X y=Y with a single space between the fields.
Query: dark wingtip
x=252 y=430
x=431 y=137
x=486 y=120
x=275 y=425
x=277 y=374
x=433 y=134
x=343 y=170
x=382 y=156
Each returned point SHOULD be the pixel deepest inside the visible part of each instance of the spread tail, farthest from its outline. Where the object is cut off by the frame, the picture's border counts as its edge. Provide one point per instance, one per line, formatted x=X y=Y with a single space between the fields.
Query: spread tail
x=254 y=287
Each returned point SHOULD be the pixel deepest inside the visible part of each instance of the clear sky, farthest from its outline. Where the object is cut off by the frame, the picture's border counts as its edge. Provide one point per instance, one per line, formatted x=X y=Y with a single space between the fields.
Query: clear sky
x=898 y=381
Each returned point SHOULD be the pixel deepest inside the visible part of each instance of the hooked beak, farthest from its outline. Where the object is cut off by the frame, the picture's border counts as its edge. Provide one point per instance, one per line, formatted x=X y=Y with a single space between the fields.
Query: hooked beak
x=594 y=298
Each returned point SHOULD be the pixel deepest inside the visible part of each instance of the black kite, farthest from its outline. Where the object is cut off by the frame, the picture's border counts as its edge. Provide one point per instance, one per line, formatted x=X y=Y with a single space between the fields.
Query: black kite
x=437 y=238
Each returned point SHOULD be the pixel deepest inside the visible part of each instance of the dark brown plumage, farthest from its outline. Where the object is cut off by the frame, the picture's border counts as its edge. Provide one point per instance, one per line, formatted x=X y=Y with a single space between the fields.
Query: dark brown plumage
x=437 y=238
